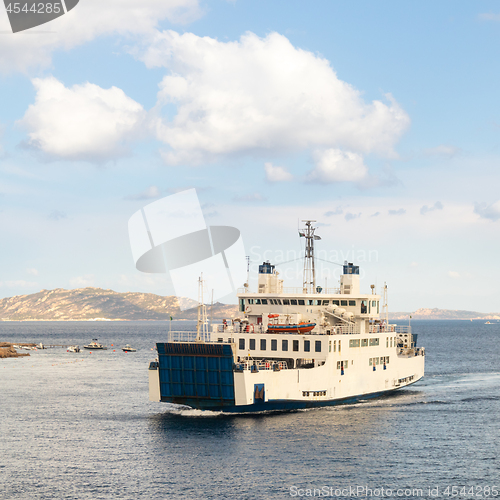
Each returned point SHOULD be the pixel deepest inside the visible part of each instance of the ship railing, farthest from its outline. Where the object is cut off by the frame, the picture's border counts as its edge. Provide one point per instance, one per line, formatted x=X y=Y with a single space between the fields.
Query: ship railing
x=390 y=329
x=181 y=336
x=344 y=329
x=259 y=365
x=239 y=328
x=300 y=290
x=293 y=291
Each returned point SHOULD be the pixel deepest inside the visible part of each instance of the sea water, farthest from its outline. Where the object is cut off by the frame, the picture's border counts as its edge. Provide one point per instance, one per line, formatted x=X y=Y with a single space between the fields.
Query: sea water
x=80 y=426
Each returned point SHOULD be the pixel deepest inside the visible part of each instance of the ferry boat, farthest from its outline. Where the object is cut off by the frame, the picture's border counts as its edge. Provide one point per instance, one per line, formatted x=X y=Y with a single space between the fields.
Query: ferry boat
x=347 y=351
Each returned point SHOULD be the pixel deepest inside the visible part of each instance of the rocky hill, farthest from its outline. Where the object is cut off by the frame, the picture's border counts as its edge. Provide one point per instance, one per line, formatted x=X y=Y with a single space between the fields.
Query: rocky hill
x=98 y=304
x=425 y=313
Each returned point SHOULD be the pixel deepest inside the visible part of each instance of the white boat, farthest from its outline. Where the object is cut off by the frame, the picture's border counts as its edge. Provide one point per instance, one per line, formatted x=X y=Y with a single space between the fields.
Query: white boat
x=94 y=345
x=73 y=348
x=128 y=348
x=353 y=352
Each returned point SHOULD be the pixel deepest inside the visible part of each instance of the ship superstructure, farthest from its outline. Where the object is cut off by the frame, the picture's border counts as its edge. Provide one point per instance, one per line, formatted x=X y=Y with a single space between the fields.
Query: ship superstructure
x=291 y=348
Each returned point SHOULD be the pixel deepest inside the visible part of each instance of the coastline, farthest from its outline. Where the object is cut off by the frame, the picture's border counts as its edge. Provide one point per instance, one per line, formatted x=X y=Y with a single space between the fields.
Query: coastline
x=7 y=350
x=93 y=320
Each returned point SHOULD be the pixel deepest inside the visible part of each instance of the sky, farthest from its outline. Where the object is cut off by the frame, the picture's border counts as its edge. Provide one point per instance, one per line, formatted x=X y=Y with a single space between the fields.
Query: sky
x=378 y=120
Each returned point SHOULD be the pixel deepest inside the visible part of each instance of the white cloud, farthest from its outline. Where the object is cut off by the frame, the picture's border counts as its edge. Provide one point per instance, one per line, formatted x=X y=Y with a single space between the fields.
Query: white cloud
x=350 y=216
x=199 y=189
x=82 y=281
x=87 y=21
x=32 y=271
x=57 y=215
x=261 y=95
x=148 y=194
x=337 y=211
x=277 y=174
x=250 y=197
x=486 y=211
x=443 y=150
x=489 y=17
x=437 y=206
x=84 y=122
x=2 y=152
x=399 y=211
x=453 y=274
x=18 y=284
x=334 y=165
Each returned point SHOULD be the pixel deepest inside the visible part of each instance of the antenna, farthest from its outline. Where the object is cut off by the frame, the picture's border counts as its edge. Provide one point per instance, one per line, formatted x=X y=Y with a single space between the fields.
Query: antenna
x=385 y=307
x=202 y=314
x=309 y=285
x=246 y=285
x=212 y=310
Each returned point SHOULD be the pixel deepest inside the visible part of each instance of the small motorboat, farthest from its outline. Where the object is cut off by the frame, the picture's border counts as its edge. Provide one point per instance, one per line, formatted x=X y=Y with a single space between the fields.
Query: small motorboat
x=94 y=345
x=73 y=348
x=128 y=348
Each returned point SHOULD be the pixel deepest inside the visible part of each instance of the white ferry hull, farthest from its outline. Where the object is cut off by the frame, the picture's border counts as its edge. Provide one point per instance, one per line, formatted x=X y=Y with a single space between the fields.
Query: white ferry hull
x=183 y=375
x=288 y=405
x=321 y=385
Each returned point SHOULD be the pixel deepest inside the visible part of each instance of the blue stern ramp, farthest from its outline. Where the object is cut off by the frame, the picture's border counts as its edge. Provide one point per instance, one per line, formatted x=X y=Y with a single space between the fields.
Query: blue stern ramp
x=199 y=375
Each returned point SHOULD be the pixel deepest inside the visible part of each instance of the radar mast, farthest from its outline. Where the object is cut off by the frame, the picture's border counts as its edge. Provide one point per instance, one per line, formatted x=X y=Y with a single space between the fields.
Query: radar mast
x=309 y=285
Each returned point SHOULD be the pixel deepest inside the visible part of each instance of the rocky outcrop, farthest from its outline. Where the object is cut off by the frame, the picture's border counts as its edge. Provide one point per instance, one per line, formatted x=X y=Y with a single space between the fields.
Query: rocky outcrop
x=7 y=350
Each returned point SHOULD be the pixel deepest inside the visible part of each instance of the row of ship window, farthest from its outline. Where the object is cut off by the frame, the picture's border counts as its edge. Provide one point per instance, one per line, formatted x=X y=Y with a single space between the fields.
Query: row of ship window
x=310 y=302
x=363 y=342
x=317 y=344
x=284 y=345
x=389 y=341
x=384 y=360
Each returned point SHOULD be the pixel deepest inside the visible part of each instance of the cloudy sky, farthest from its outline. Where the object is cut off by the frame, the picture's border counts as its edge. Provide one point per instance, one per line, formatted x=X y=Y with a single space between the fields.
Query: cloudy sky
x=379 y=120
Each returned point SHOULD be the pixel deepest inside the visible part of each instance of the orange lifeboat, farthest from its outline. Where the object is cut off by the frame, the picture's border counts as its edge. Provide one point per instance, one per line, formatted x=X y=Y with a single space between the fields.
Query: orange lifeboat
x=302 y=327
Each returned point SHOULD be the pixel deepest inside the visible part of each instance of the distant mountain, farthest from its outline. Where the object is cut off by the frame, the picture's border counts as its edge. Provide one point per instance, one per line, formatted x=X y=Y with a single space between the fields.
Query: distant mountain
x=98 y=304
x=426 y=313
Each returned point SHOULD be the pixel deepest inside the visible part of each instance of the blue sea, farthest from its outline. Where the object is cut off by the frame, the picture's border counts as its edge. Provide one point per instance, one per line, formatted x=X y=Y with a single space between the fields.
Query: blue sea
x=80 y=426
